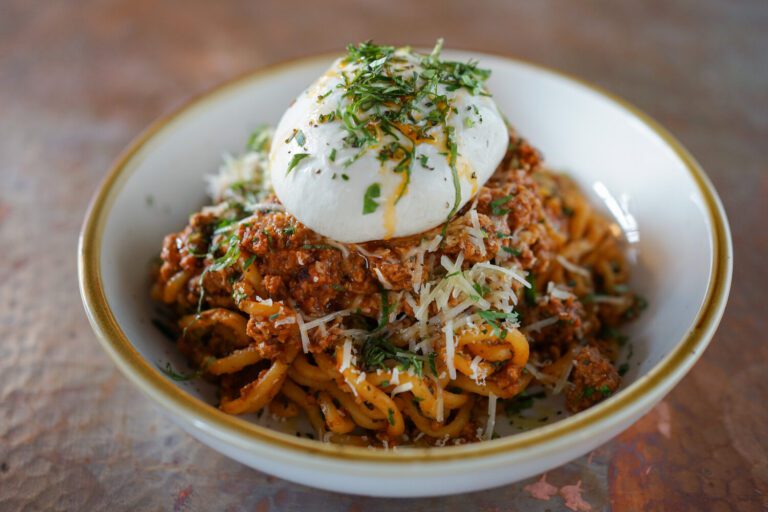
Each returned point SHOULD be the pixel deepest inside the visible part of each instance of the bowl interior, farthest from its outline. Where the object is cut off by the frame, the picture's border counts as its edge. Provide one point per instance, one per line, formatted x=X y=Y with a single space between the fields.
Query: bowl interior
x=622 y=164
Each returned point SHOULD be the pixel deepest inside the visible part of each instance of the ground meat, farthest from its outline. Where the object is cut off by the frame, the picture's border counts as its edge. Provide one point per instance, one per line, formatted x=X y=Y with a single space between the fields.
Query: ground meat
x=593 y=379
x=560 y=336
x=182 y=250
x=508 y=377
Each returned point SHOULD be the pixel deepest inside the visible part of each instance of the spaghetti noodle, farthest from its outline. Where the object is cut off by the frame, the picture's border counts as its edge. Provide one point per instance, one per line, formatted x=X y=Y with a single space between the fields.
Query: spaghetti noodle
x=406 y=340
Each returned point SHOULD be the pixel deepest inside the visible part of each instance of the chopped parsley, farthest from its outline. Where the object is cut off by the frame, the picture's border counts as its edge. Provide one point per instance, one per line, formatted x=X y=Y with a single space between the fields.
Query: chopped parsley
x=260 y=139
x=530 y=294
x=377 y=350
x=249 y=261
x=391 y=416
x=498 y=205
x=492 y=318
x=369 y=199
x=227 y=260
x=178 y=377
x=432 y=364
x=298 y=157
x=511 y=250
x=481 y=290
x=332 y=155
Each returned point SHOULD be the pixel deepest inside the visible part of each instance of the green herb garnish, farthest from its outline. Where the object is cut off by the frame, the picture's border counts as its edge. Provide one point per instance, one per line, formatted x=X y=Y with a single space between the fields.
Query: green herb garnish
x=377 y=350
x=369 y=199
x=497 y=205
x=260 y=139
x=298 y=157
x=249 y=262
x=492 y=318
x=530 y=294
x=178 y=377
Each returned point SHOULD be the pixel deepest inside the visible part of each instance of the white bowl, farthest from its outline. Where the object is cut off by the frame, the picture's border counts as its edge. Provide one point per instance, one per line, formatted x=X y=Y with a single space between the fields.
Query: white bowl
x=680 y=244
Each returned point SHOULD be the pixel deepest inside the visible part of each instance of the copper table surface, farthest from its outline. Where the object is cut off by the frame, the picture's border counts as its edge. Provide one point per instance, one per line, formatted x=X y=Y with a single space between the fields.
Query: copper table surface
x=78 y=80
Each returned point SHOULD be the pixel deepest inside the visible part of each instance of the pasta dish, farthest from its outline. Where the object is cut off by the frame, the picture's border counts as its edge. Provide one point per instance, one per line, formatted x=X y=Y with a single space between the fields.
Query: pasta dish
x=395 y=263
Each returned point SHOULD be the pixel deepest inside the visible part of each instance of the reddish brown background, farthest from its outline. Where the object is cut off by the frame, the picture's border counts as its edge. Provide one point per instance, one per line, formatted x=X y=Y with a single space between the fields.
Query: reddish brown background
x=79 y=79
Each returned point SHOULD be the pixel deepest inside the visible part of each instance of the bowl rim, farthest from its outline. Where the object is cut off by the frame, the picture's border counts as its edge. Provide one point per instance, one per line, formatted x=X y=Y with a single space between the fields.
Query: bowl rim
x=146 y=377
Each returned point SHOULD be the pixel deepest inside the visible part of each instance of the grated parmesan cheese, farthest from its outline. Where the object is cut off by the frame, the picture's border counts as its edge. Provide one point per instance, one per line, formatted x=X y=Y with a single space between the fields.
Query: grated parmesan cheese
x=476 y=233
x=609 y=299
x=285 y=321
x=327 y=318
x=450 y=349
x=572 y=267
x=475 y=367
x=491 y=424
x=520 y=278
x=341 y=247
x=563 y=379
x=346 y=355
x=402 y=388
x=558 y=293
x=383 y=280
x=303 y=333
x=537 y=326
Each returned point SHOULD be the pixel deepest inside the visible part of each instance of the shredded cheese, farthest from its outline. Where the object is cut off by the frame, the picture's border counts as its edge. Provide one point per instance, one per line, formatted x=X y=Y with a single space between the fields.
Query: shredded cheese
x=383 y=280
x=339 y=246
x=475 y=367
x=346 y=355
x=285 y=321
x=491 y=424
x=572 y=267
x=402 y=388
x=520 y=278
x=476 y=234
x=556 y=292
x=325 y=319
x=609 y=299
x=303 y=333
x=449 y=349
x=537 y=326
x=563 y=379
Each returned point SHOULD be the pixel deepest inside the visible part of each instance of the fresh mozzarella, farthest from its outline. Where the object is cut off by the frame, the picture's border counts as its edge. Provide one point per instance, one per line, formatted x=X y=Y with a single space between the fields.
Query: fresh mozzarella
x=313 y=177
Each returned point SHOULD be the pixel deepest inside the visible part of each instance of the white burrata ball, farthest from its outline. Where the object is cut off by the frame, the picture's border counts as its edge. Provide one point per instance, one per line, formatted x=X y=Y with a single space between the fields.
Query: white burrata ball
x=356 y=194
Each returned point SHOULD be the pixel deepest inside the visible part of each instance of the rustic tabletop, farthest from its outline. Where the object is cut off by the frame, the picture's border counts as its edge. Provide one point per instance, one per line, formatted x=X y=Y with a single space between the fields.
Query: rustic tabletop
x=78 y=80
